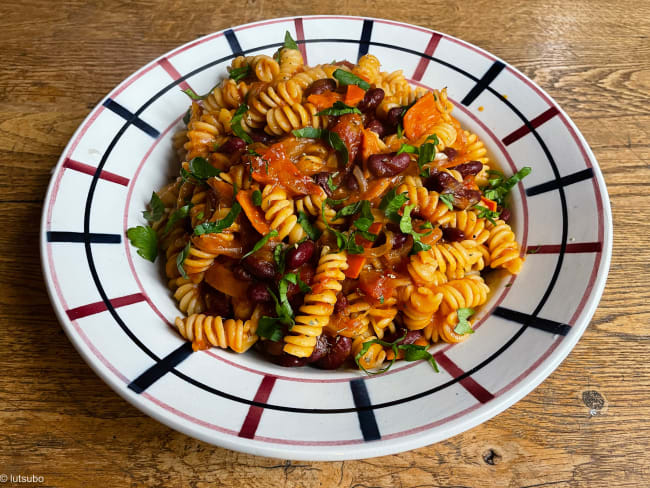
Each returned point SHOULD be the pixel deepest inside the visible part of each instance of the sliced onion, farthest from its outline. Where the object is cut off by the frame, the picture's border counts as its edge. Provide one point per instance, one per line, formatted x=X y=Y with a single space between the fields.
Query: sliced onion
x=361 y=180
x=375 y=252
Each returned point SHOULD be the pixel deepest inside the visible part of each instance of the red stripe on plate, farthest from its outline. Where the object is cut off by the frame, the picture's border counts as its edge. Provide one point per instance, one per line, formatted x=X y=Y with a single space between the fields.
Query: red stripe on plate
x=91 y=170
x=535 y=123
x=300 y=34
x=577 y=247
x=424 y=62
x=254 y=415
x=173 y=72
x=469 y=383
x=93 y=308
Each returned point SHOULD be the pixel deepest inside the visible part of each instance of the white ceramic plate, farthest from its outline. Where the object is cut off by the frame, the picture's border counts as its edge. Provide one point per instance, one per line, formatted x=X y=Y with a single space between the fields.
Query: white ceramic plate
x=115 y=306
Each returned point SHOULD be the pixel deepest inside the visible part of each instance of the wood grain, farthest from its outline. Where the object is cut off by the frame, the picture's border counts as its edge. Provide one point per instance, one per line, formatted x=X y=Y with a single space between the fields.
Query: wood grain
x=587 y=425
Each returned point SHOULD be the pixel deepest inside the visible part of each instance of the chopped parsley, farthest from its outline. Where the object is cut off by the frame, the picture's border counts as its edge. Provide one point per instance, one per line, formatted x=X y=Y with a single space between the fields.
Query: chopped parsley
x=219 y=225
x=332 y=138
x=235 y=124
x=391 y=203
x=192 y=94
x=309 y=229
x=145 y=240
x=412 y=352
x=498 y=186
x=486 y=213
x=257 y=198
x=238 y=74
x=180 y=259
x=448 y=200
x=259 y=244
x=345 y=242
x=289 y=43
x=330 y=182
x=178 y=214
x=199 y=170
x=346 y=78
x=406 y=226
x=339 y=108
x=157 y=209
x=464 y=327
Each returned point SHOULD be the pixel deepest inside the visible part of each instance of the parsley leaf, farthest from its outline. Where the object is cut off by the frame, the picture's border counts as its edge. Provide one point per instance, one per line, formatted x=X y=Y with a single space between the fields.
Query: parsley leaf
x=146 y=240
x=499 y=187
x=400 y=131
x=219 y=225
x=464 y=327
x=257 y=198
x=365 y=220
x=270 y=328
x=339 y=108
x=289 y=43
x=238 y=74
x=235 y=124
x=448 y=200
x=179 y=213
x=412 y=352
x=180 y=259
x=332 y=138
x=280 y=258
x=192 y=94
x=157 y=209
x=309 y=229
x=406 y=226
x=486 y=213
x=259 y=244
x=199 y=170
x=391 y=203
x=345 y=242
x=407 y=148
x=347 y=78
x=330 y=182
x=348 y=210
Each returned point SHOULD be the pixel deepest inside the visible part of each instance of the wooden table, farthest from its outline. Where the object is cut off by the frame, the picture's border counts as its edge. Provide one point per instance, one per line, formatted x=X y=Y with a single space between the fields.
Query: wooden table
x=587 y=425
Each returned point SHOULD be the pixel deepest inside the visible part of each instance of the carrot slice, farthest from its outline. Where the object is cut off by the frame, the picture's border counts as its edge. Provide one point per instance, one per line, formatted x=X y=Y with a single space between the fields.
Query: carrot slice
x=324 y=100
x=370 y=144
x=353 y=95
x=356 y=261
x=421 y=118
x=490 y=204
x=254 y=214
x=221 y=278
x=223 y=189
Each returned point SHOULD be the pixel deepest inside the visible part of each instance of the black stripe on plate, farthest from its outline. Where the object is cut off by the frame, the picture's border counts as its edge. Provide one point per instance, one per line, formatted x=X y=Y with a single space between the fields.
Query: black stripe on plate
x=118 y=109
x=537 y=322
x=585 y=174
x=231 y=37
x=161 y=368
x=55 y=236
x=366 y=33
x=484 y=82
x=367 y=420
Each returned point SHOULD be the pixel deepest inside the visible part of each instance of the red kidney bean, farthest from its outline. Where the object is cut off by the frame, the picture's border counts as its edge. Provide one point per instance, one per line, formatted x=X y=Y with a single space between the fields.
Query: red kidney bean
x=321 y=180
x=377 y=127
x=389 y=164
x=241 y=274
x=399 y=240
x=260 y=268
x=217 y=303
x=505 y=213
x=300 y=255
x=289 y=361
x=351 y=182
x=260 y=136
x=320 y=86
x=338 y=351
x=232 y=145
x=394 y=115
x=371 y=100
x=450 y=152
x=471 y=168
x=464 y=197
x=410 y=337
x=341 y=303
x=320 y=349
x=345 y=63
x=440 y=182
x=451 y=234
x=257 y=293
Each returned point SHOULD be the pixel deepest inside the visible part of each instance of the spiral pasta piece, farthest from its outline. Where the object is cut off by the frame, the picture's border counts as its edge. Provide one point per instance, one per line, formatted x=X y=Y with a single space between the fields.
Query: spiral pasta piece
x=305 y=78
x=290 y=63
x=188 y=294
x=204 y=331
x=504 y=250
x=427 y=202
x=318 y=305
x=278 y=211
x=445 y=325
x=394 y=83
x=228 y=95
x=382 y=316
x=373 y=358
x=468 y=292
x=284 y=119
x=261 y=99
x=418 y=305
x=368 y=68
x=264 y=67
